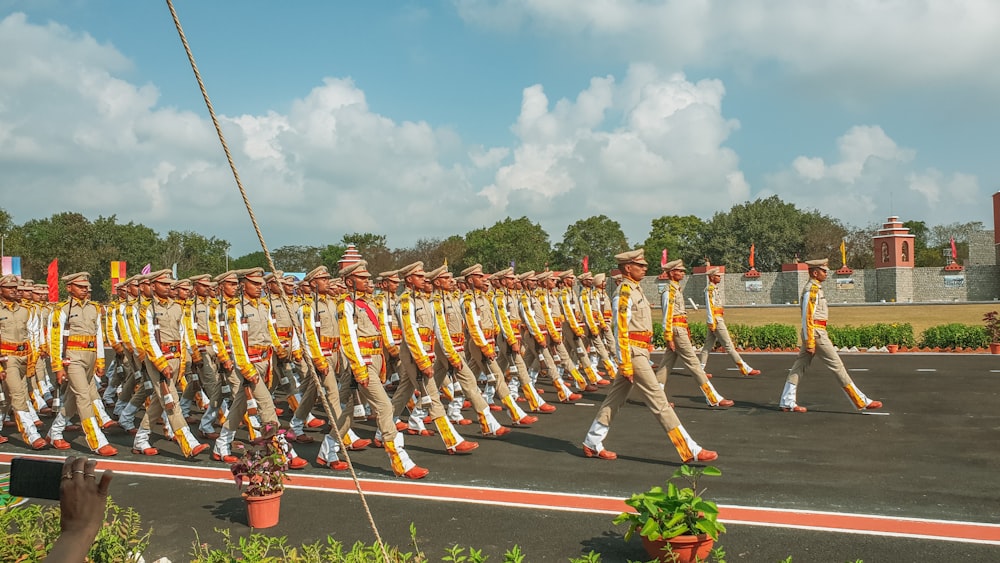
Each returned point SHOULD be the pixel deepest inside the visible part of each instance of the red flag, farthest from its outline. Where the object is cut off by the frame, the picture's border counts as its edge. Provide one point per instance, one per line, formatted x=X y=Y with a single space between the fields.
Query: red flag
x=954 y=251
x=753 y=251
x=663 y=259
x=586 y=263
x=53 y=280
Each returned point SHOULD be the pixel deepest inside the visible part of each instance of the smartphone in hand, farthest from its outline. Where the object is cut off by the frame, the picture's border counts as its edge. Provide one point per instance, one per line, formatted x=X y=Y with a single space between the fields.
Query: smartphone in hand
x=35 y=478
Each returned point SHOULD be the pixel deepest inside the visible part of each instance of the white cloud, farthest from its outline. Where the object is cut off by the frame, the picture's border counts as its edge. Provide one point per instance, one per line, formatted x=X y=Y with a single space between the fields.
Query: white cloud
x=844 y=45
x=874 y=177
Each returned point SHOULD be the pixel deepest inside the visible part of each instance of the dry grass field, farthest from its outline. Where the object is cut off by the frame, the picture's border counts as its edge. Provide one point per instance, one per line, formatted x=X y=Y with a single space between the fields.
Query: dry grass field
x=920 y=316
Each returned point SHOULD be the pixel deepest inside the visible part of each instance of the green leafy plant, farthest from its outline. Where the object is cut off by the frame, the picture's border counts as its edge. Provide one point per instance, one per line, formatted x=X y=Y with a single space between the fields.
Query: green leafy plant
x=992 y=320
x=673 y=511
x=263 y=463
x=955 y=335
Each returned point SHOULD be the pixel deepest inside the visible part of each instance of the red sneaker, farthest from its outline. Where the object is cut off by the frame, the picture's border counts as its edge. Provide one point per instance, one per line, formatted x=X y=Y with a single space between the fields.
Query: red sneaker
x=39 y=444
x=603 y=454
x=466 y=404
x=546 y=408
x=724 y=403
x=462 y=422
x=496 y=408
x=401 y=426
x=590 y=388
x=706 y=455
x=3 y=439
x=334 y=465
x=107 y=450
x=575 y=397
x=297 y=463
x=604 y=382
x=873 y=405
x=416 y=472
x=464 y=447
x=502 y=431
x=58 y=444
x=414 y=432
x=359 y=445
x=708 y=375
x=278 y=411
x=315 y=423
x=230 y=459
x=753 y=372
x=72 y=428
x=528 y=419
x=796 y=408
x=109 y=425
x=197 y=450
x=145 y=451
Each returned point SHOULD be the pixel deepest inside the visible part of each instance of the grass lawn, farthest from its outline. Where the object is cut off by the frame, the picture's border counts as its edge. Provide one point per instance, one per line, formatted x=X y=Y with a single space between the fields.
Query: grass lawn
x=920 y=316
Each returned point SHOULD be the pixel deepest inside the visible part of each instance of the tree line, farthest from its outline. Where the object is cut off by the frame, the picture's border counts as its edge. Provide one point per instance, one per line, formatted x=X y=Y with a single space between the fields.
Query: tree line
x=780 y=232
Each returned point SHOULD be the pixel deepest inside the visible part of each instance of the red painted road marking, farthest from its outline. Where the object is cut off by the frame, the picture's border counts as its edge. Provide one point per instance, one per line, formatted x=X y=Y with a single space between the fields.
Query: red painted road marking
x=967 y=532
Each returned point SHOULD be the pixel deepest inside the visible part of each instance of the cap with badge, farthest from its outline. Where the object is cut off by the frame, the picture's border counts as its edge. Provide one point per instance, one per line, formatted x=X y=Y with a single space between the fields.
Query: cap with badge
x=10 y=280
x=203 y=279
x=542 y=276
x=162 y=276
x=317 y=272
x=473 y=270
x=567 y=274
x=359 y=268
x=252 y=275
x=416 y=268
x=80 y=278
x=229 y=276
x=819 y=264
x=439 y=272
x=525 y=276
x=600 y=278
x=391 y=275
x=273 y=276
x=637 y=256
x=674 y=265
x=713 y=271
x=585 y=276
x=182 y=284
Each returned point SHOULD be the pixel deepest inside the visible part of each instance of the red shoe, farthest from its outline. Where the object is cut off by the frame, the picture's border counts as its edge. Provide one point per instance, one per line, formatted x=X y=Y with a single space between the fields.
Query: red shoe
x=496 y=408
x=39 y=444
x=278 y=412
x=603 y=454
x=414 y=432
x=59 y=444
x=38 y=424
x=110 y=424
x=724 y=403
x=520 y=399
x=401 y=426
x=603 y=382
x=377 y=443
x=590 y=388
x=334 y=465
x=230 y=459
x=358 y=445
x=132 y=431
x=502 y=431
x=546 y=408
x=873 y=405
x=706 y=455
x=197 y=450
x=708 y=375
x=540 y=391
x=574 y=397
x=72 y=428
x=146 y=451
x=416 y=472
x=466 y=404
x=671 y=403
x=464 y=448
x=463 y=422
x=46 y=411
x=315 y=423
x=796 y=408
x=752 y=372
x=427 y=420
x=107 y=450
x=304 y=439
x=528 y=419
x=297 y=463
x=3 y=439
x=208 y=435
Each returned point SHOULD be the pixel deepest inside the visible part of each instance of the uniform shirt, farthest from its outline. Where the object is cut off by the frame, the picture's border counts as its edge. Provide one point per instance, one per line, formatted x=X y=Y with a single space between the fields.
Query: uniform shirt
x=714 y=305
x=320 y=329
x=162 y=331
x=674 y=314
x=813 y=309
x=416 y=317
x=14 y=326
x=359 y=334
x=479 y=322
x=633 y=316
x=571 y=310
x=75 y=318
x=250 y=332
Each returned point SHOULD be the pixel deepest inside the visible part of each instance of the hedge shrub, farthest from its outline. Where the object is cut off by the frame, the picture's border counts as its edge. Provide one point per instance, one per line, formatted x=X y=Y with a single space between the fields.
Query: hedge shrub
x=955 y=335
x=867 y=336
x=772 y=335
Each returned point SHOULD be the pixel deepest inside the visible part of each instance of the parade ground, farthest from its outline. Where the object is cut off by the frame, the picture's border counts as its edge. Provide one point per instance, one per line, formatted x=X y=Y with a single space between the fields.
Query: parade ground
x=916 y=481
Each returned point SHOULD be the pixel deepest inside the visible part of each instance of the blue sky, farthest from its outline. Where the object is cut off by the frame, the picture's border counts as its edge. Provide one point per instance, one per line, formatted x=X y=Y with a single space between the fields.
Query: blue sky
x=426 y=119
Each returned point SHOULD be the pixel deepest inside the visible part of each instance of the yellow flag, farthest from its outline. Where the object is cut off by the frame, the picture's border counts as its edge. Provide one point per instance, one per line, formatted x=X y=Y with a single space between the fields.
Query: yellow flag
x=843 y=252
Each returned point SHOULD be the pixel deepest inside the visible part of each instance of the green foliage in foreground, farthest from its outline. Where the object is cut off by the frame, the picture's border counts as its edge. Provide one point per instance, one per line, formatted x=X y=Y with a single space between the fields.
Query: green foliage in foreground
x=955 y=335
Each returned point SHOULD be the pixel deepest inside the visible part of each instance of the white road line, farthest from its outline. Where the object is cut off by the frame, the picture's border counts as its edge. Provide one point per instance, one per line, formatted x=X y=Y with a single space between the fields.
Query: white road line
x=926 y=369
x=858 y=369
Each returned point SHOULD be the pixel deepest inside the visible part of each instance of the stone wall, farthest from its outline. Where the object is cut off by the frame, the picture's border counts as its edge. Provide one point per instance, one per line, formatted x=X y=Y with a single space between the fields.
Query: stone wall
x=901 y=285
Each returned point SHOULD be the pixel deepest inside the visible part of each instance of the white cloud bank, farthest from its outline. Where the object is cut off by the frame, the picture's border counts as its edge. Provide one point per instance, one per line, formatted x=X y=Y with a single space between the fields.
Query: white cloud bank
x=75 y=136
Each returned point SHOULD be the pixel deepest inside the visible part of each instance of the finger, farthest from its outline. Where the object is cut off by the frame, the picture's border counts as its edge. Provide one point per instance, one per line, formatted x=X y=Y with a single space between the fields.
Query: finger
x=105 y=482
x=90 y=467
x=68 y=466
x=79 y=463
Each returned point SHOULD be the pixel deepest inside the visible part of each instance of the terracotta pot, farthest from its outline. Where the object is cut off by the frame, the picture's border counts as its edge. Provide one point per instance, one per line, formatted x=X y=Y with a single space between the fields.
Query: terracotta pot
x=683 y=549
x=995 y=348
x=892 y=348
x=262 y=512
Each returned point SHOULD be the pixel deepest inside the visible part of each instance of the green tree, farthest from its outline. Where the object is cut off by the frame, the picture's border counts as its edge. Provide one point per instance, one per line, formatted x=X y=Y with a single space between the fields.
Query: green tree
x=330 y=254
x=599 y=238
x=297 y=258
x=252 y=260
x=681 y=236
x=193 y=253
x=519 y=241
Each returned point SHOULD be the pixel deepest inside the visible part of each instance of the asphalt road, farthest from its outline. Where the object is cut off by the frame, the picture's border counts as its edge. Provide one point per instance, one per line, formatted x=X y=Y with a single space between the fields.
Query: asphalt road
x=932 y=455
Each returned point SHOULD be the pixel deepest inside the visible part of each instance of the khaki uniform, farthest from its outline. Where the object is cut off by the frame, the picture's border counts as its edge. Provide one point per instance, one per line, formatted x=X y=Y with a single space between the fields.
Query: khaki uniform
x=208 y=341
x=321 y=332
x=594 y=322
x=537 y=337
x=675 y=328
x=633 y=331
x=505 y=309
x=16 y=350
x=814 y=335
x=574 y=333
x=717 y=333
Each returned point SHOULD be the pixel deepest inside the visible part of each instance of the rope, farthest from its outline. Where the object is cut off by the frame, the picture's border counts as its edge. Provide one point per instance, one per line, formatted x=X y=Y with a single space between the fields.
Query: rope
x=270 y=262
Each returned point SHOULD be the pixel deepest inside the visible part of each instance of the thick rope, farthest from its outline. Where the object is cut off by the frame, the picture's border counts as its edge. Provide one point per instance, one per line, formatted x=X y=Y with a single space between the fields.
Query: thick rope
x=270 y=262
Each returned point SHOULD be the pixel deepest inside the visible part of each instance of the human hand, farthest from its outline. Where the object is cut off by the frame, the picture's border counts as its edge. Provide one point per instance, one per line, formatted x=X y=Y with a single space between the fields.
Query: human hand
x=810 y=350
x=672 y=346
x=61 y=376
x=82 y=498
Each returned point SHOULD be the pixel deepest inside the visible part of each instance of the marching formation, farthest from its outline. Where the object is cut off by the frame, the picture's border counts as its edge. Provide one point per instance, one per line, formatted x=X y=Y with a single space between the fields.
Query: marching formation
x=207 y=357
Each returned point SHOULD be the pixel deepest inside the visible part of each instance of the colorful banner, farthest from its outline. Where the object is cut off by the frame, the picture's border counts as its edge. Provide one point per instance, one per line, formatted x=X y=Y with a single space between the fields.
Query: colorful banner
x=11 y=265
x=586 y=264
x=147 y=269
x=119 y=271
x=663 y=258
x=53 y=280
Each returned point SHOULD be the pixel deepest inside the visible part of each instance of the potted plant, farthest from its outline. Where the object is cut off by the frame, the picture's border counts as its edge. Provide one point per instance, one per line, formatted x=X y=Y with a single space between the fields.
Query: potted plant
x=676 y=524
x=992 y=321
x=260 y=473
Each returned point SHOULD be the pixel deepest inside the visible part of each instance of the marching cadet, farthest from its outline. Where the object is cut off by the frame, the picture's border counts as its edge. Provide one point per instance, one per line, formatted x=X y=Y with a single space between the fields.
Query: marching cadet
x=143 y=292
x=15 y=351
x=538 y=325
x=161 y=332
x=633 y=330
x=449 y=352
x=553 y=318
x=677 y=335
x=510 y=346
x=593 y=320
x=76 y=357
x=207 y=341
x=481 y=332
x=117 y=337
x=604 y=309
x=385 y=306
x=363 y=349
x=717 y=331
x=417 y=357
x=321 y=332
x=816 y=344
x=281 y=315
x=41 y=374
x=573 y=329
x=253 y=340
